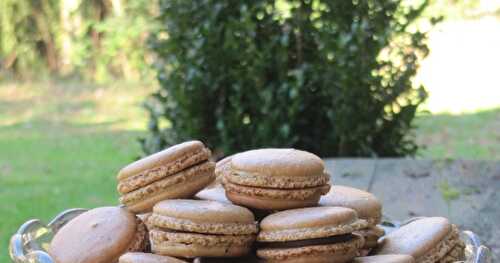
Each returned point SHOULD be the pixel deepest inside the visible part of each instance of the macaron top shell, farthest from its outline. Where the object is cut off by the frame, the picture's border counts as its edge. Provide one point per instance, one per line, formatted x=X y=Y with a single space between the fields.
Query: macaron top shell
x=278 y=162
x=385 y=259
x=147 y=258
x=308 y=223
x=366 y=204
x=277 y=168
x=417 y=238
x=99 y=235
x=204 y=211
x=160 y=158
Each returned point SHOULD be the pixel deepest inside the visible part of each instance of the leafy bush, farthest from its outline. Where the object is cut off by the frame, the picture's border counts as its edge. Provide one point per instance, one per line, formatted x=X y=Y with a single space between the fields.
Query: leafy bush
x=331 y=77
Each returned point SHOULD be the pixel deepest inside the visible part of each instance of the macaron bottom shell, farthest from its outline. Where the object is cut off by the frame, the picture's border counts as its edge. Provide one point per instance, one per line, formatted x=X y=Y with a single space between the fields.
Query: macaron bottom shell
x=181 y=190
x=268 y=204
x=187 y=245
x=341 y=252
x=191 y=245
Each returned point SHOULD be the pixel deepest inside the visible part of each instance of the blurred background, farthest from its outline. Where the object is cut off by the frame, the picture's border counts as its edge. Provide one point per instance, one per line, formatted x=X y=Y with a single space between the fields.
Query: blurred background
x=88 y=86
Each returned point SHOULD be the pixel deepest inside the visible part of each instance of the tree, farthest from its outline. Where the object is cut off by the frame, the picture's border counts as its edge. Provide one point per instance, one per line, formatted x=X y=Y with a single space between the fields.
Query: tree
x=332 y=77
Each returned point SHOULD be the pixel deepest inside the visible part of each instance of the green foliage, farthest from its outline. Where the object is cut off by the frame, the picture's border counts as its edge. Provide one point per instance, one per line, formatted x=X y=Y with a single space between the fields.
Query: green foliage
x=99 y=40
x=332 y=77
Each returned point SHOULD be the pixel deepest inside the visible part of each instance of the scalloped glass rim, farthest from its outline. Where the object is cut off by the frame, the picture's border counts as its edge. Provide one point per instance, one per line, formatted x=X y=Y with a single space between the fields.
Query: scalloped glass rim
x=30 y=243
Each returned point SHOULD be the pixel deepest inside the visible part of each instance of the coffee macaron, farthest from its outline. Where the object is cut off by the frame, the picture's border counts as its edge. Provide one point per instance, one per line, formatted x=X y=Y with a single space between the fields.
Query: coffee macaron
x=365 y=204
x=223 y=167
x=100 y=235
x=314 y=234
x=276 y=179
x=215 y=191
x=250 y=258
x=385 y=259
x=200 y=228
x=427 y=240
x=177 y=172
x=137 y=257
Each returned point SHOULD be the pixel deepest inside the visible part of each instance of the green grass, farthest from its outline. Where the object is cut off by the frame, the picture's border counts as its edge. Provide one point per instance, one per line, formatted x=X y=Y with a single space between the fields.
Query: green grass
x=61 y=148
x=61 y=145
x=467 y=136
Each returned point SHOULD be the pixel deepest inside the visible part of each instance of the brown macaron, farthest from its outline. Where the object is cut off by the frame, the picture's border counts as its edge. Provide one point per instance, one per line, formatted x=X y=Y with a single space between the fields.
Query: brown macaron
x=177 y=172
x=385 y=259
x=213 y=193
x=428 y=240
x=251 y=258
x=223 y=167
x=365 y=204
x=200 y=228
x=276 y=179
x=99 y=235
x=315 y=234
x=136 y=257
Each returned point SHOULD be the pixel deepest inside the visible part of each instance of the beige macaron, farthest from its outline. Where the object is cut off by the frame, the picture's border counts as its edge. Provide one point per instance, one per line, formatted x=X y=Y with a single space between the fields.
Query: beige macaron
x=365 y=204
x=200 y=228
x=385 y=259
x=250 y=258
x=177 y=172
x=136 y=257
x=309 y=235
x=428 y=240
x=223 y=167
x=99 y=235
x=276 y=179
x=213 y=193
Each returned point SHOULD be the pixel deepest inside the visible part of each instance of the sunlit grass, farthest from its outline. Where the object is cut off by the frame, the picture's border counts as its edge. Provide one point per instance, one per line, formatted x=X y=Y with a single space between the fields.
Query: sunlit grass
x=117 y=105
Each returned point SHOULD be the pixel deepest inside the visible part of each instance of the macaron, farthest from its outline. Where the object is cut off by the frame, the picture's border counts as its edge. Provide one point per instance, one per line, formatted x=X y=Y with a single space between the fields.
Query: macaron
x=213 y=193
x=385 y=259
x=276 y=179
x=100 y=235
x=247 y=259
x=314 y=234
x=200 y=228
x=136 y=257
x=364 y=203
x=177 y=172
x=429 y=239
x=223 y=167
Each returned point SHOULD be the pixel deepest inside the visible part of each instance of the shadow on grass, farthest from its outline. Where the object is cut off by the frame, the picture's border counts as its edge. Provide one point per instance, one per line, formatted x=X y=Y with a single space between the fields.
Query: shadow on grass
x=467 y=136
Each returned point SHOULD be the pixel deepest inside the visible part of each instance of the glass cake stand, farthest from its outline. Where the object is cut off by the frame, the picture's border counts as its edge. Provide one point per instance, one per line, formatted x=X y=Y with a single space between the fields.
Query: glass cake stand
x=31 y=241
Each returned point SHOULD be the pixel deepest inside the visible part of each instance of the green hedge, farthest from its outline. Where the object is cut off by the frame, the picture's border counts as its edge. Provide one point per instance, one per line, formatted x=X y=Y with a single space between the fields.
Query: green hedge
x=331 y=77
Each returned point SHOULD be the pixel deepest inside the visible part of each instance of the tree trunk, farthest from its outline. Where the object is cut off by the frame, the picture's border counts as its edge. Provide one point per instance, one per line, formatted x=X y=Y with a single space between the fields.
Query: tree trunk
x=70 y=22
x=48 y=40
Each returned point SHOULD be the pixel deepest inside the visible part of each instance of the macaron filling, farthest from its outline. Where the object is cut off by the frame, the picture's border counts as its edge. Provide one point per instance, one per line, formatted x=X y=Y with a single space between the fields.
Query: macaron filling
x=280 y=182
x=307 y=242
x=144 y=178
x=273 y=193
x=189 y=174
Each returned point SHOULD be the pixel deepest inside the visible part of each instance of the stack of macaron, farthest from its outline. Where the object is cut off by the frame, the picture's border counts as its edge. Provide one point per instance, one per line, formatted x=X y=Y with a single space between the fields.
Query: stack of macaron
x=264 y=205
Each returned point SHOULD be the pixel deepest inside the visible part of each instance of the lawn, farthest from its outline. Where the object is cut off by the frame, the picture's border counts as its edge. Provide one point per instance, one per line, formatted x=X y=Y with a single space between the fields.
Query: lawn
x=61 y=145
